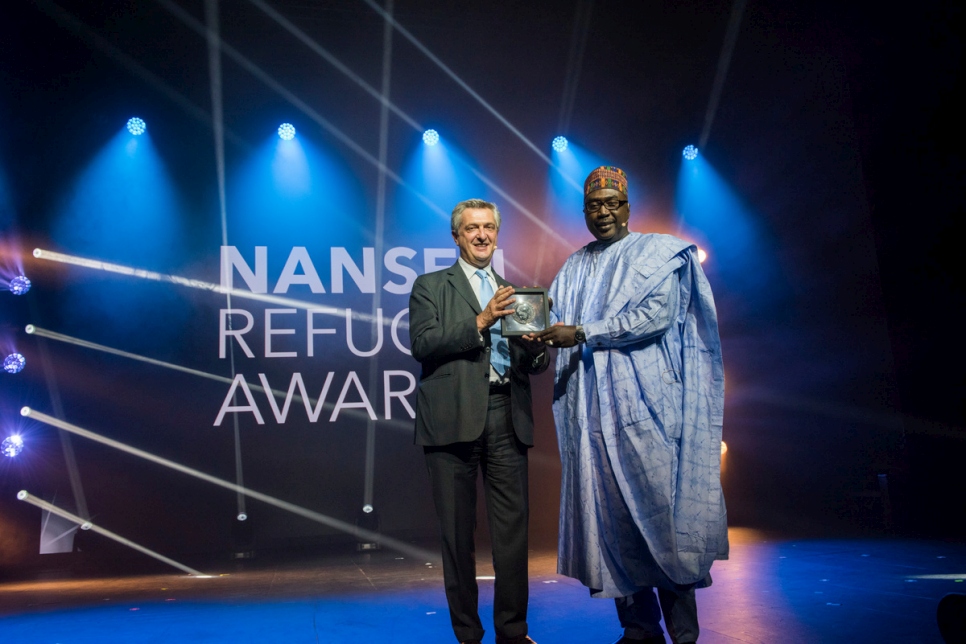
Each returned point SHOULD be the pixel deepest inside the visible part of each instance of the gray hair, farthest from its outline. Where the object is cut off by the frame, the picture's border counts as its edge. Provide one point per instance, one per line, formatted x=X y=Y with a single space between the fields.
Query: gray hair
x=457 y=219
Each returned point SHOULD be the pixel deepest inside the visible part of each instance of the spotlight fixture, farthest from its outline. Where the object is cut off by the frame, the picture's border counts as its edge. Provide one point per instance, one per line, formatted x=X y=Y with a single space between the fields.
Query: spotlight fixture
x=14 y=363
x=19 y=285
x=559 y=143
x=242 y=537
x=136 y=126
x=690 y=153
x=702 y=256
x=430 y=137
x=12 y=445
x=286 y=131
x=368 y=519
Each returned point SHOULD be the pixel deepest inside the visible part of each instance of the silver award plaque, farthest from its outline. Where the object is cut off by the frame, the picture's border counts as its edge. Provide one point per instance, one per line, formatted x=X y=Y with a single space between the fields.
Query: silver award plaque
x=525 y=313
x=531 y=312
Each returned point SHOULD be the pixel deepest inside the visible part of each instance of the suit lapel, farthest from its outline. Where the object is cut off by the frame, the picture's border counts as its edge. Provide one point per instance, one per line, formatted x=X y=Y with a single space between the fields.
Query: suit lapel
x=457 y=278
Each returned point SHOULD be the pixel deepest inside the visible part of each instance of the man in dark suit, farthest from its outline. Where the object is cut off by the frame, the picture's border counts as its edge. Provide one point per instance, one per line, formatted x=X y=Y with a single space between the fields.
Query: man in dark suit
x=473 y=411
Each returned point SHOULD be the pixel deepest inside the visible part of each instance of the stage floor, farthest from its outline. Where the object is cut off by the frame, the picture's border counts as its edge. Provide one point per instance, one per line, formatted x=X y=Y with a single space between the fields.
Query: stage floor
x=771 y=590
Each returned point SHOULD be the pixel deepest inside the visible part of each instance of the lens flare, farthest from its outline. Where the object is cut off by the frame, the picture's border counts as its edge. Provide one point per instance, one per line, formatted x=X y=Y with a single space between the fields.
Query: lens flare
x=11 y=446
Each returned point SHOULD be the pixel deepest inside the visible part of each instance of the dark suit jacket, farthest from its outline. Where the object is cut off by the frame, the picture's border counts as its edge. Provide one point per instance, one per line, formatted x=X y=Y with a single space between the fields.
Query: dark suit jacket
x=454 y=384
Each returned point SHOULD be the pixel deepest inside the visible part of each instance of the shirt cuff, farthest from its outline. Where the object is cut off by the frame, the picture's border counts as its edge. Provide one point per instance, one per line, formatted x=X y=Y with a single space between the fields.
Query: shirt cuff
x=595 y=332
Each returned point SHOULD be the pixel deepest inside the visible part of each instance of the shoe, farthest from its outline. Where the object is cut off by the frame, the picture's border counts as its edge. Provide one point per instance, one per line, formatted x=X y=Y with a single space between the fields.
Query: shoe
x=654 y=639
x=523 y=639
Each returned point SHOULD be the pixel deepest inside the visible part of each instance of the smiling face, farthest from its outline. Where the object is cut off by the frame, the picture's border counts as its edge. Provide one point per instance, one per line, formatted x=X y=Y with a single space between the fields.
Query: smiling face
x=476 y=236
x=607 y=225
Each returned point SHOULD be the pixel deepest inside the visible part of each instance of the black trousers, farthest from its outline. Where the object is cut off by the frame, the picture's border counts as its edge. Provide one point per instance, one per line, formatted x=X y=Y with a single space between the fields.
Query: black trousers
x=640 y=614
x=452 y=472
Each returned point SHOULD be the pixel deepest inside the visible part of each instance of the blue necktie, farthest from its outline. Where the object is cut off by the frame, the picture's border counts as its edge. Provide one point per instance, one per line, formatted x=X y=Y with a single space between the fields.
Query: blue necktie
x=499 y=349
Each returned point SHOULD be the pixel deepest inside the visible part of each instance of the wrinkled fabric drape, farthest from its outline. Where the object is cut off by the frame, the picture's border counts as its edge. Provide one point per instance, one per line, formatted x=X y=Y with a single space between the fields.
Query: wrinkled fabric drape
x=639 y=411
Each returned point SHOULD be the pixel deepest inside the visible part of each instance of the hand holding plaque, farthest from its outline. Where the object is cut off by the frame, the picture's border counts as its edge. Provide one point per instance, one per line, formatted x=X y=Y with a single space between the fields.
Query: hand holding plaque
x=531 y=312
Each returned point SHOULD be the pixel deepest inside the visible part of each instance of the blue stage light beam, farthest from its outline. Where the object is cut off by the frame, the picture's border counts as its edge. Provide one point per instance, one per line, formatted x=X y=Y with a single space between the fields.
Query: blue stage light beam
x=27 y=497
x=332 y=60
x=286 y=94
x=714 y=216
x=292 y=175
x=82 y=31
x=125 y=193
x=332 y=522
x=575 y=163
x=438 y=172
x=302 y=106
x=307 y=189
x=295 y=31
x=274 y=85
x=447 y=177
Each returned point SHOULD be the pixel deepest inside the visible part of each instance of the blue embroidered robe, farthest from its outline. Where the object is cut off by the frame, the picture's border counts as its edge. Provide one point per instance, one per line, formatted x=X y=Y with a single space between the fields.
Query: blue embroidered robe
x=639 y=410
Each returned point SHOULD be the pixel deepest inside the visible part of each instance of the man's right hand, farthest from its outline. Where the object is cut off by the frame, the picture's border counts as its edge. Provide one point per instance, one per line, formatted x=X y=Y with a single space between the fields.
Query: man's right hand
x=559 y=335
x=496 y=308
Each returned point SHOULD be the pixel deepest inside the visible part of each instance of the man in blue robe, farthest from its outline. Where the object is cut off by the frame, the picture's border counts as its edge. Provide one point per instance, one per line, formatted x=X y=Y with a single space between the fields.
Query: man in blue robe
x=638 y=404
